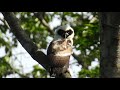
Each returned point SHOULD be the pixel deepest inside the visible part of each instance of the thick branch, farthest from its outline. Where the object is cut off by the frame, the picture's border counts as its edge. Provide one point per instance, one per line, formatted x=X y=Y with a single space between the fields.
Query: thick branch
x=28 y=45
x=40 y=16
x=25 y=41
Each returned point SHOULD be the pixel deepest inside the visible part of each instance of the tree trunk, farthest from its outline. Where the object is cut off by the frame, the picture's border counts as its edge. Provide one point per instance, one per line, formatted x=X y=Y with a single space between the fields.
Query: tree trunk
x=110 y=44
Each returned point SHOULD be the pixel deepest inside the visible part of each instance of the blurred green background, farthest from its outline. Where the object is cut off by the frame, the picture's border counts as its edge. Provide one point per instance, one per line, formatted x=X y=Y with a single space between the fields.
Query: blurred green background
x=85 y=58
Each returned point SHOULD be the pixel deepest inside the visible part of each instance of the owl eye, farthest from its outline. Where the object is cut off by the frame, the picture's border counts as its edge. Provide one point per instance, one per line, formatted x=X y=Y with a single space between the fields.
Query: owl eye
x=70 y=32
x=61 y=32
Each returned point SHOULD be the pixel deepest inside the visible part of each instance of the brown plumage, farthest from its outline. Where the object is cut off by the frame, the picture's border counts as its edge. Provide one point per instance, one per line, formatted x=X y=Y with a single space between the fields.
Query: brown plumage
x=59 y=62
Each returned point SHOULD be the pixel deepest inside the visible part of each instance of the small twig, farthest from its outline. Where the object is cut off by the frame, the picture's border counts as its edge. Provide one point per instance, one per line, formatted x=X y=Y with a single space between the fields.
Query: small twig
x=40 y=16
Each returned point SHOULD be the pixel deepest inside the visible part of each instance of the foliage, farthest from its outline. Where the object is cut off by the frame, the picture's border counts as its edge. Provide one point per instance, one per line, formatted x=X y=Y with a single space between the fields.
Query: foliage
x=37 y=72
x=93 y=73
x=86 y=39
x=5 y=68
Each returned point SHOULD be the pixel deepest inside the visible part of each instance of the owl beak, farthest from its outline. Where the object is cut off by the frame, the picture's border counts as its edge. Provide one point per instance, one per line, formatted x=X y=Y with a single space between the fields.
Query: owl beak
x=66 y=35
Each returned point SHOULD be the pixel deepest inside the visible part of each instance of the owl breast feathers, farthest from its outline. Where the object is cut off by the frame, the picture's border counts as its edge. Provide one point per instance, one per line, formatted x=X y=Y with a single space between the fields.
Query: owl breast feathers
x=59 y=54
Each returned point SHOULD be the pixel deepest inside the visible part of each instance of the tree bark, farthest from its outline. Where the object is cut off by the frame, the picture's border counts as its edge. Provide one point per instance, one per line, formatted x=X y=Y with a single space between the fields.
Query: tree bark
x=27 y=43
x=110 y=44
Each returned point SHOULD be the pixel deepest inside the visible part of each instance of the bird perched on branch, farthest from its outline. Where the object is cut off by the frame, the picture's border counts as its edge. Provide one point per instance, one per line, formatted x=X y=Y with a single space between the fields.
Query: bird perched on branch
x=60 y=50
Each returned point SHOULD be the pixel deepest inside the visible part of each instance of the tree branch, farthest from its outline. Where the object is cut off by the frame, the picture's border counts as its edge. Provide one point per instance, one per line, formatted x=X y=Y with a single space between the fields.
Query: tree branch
x=79 y=60
x=40 y=16
x=25 y=41
x=28 y=45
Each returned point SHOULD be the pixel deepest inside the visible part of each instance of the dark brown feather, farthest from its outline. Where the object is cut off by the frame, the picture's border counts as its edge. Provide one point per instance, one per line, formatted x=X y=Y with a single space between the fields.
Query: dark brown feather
x=57 y=61
x=58 y=64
